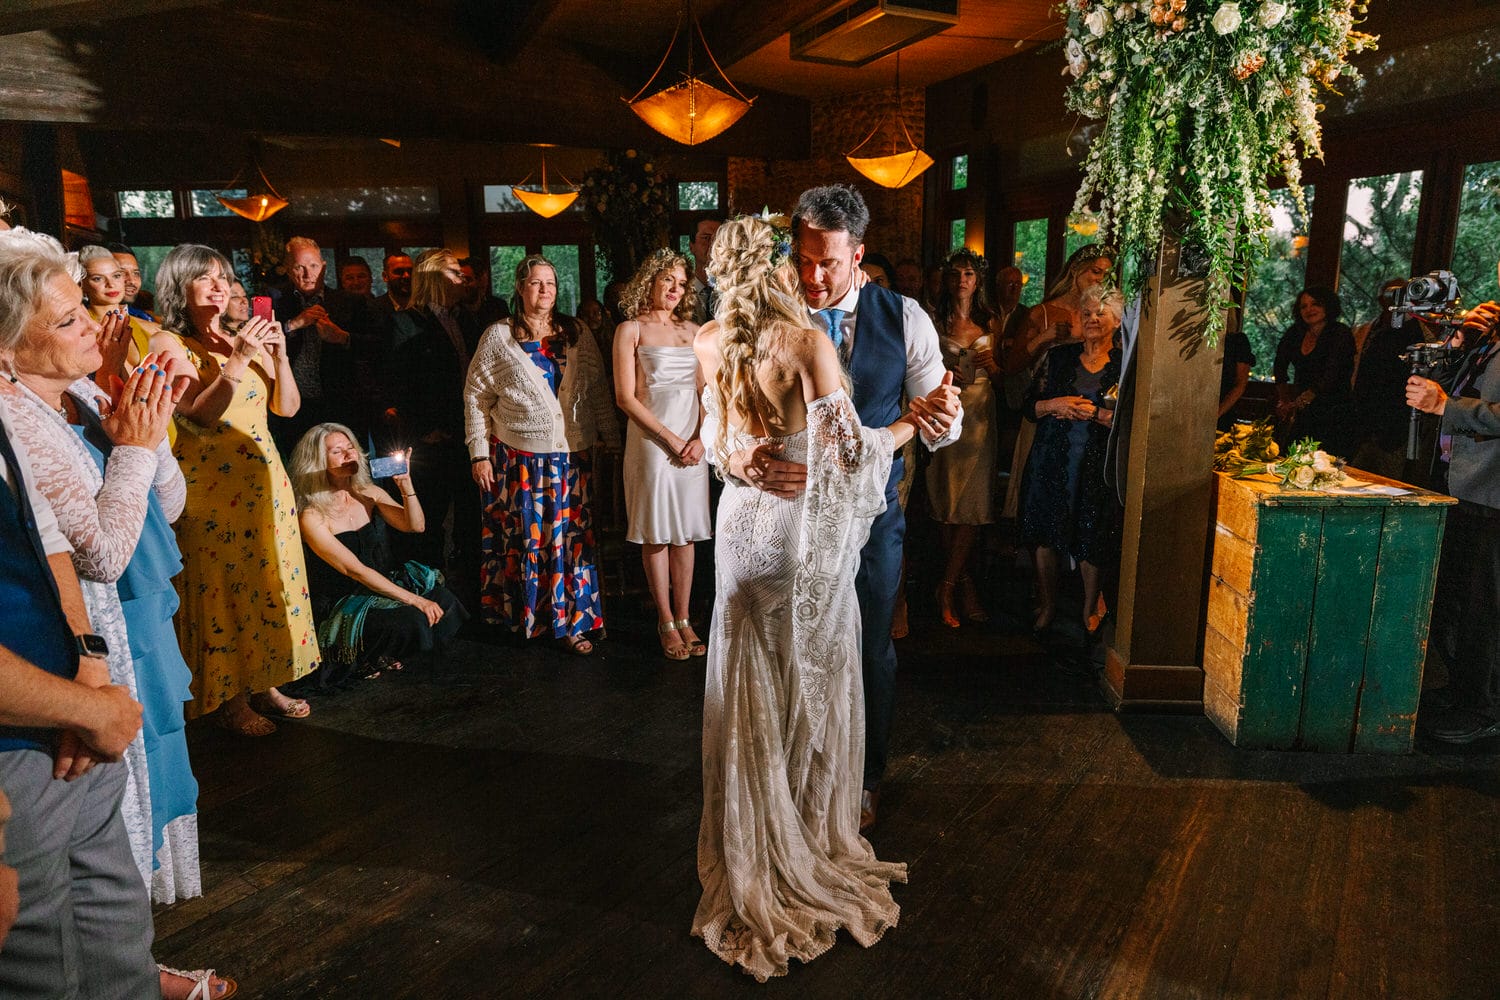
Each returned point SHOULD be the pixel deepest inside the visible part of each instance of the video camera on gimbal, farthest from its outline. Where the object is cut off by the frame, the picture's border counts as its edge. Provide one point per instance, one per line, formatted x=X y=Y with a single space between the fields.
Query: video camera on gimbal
x=1432 y=299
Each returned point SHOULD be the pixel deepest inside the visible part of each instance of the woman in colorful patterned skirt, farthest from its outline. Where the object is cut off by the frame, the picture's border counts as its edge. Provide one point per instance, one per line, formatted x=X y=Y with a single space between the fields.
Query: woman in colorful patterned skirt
x=536 y=400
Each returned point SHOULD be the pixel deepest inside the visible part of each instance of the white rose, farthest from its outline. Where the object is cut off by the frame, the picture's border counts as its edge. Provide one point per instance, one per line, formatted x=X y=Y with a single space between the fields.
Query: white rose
x=1227 y=18
x=1097 y=22
x=1322 y=462
x=1271 y=13
x=1303 y=477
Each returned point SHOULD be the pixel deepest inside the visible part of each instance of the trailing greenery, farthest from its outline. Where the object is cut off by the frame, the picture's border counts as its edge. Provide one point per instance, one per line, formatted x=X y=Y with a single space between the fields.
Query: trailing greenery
x=1201 y=102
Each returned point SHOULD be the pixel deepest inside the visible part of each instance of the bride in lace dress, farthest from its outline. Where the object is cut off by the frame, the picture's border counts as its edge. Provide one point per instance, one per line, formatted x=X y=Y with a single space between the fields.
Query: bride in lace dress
x=780 y=857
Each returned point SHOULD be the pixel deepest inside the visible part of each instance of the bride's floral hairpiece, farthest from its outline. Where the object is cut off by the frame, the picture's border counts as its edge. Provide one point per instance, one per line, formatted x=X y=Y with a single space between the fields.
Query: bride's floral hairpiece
x=781 y=233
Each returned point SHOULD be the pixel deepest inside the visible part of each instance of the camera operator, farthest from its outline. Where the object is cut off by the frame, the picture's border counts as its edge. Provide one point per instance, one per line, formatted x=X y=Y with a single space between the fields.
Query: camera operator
x=1381 y=417
x=1465 y=626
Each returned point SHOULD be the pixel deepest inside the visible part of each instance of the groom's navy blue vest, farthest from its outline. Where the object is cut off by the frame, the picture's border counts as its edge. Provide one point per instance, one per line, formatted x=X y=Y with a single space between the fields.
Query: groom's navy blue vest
x=32 y=624
x=877 y=365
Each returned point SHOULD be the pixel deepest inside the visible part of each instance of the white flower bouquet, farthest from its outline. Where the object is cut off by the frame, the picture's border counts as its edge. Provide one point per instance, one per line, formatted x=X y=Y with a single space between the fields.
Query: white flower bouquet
x=1304 y=467
x=1203 y=102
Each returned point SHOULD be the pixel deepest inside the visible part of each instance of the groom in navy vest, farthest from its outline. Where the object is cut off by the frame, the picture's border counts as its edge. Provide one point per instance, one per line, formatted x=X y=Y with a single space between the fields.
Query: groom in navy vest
x=890 y=348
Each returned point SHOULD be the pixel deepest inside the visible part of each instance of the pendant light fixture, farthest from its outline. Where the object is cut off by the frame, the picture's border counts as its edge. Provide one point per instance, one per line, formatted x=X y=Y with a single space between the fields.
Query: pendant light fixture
x=692 y=110
x=541 y=199
x=901 y=165
x=260 y=200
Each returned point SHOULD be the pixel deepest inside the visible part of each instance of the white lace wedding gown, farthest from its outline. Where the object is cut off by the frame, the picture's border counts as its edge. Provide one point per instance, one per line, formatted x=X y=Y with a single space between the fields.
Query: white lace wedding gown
x=780 y=857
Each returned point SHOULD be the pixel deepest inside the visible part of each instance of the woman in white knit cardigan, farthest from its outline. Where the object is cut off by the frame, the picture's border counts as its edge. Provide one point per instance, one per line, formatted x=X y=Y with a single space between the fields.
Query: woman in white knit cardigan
x=535 y=402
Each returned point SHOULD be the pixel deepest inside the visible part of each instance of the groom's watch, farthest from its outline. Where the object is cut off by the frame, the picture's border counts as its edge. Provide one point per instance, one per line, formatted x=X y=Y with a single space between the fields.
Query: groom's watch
x=91 y=646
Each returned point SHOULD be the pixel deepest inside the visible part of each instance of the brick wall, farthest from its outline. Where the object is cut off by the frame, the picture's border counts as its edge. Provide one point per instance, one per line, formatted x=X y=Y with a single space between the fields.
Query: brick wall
x=839 y=124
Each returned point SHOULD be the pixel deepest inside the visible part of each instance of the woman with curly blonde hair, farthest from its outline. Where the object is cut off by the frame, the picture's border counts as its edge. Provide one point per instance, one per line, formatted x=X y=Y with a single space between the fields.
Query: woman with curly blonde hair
x=780 y=857
x=657 y=385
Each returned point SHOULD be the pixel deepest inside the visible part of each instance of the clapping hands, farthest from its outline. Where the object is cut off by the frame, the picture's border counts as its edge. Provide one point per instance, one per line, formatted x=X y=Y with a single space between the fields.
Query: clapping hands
x=114 y=344
x=260 y=333
x=140 y=408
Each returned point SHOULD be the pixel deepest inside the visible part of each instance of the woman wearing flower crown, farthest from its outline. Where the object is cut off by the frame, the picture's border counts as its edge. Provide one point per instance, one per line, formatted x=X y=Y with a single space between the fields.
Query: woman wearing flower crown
x=780 y=857
x=657 y=385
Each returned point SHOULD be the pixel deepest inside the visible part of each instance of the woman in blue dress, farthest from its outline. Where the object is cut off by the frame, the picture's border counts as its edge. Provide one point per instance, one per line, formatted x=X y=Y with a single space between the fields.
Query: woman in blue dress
x=1067 y=510
x=536 y=401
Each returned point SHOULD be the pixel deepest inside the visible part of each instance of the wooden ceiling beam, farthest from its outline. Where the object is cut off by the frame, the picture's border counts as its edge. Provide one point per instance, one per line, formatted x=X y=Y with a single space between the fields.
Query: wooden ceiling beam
x=736 y=30
x=40 y=15
x=306 y=68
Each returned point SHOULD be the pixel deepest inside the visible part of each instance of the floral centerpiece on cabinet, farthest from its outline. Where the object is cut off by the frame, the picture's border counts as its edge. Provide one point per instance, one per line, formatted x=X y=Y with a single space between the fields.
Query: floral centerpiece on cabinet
x=1202 y=103
x=628 y=199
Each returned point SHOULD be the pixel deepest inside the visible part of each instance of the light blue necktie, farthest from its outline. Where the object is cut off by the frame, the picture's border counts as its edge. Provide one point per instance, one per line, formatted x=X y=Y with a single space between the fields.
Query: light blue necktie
x=834 y=318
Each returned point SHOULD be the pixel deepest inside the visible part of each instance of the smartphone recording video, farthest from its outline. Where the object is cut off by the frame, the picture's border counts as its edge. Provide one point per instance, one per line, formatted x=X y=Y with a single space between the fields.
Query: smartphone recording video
x=384 y=468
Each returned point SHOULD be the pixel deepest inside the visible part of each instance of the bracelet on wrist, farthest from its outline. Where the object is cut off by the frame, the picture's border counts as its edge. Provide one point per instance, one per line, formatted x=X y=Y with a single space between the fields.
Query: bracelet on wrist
x=476 y=461
x=231 y=379
x=408 y=495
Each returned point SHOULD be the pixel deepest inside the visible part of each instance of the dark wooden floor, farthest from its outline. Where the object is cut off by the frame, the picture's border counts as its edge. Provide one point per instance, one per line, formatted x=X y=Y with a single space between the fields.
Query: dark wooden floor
x=516 y=823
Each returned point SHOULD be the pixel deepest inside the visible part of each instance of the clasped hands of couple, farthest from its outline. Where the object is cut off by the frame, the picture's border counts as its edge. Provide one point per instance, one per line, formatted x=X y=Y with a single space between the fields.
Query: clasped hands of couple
x=932 y=415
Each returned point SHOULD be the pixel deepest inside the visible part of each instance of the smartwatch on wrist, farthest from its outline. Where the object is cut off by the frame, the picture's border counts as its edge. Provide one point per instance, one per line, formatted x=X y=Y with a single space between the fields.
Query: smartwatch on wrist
x=91 y=646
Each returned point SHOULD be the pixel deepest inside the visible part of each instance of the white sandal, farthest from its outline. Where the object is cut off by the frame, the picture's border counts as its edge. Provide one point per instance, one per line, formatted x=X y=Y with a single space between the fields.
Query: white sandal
x=202 y=981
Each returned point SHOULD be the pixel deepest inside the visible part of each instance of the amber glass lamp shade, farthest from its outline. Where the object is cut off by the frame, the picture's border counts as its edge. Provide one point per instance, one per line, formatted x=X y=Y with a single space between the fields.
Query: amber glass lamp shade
x=893 y=171
x=544 y=203
x=690 y=112
x=255 y=207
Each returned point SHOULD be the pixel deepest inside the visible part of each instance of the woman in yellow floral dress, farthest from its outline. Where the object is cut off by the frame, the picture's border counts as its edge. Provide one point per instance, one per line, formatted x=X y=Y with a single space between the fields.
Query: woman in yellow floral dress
x=246 y=621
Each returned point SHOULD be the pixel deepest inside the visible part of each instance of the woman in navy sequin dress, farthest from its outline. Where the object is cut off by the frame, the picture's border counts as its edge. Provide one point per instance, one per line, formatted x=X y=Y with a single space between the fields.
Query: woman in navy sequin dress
x=1067 y=510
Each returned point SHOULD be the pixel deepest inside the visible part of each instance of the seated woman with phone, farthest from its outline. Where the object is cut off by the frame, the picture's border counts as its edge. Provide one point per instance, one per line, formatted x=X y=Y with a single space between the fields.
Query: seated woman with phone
x=370 y=612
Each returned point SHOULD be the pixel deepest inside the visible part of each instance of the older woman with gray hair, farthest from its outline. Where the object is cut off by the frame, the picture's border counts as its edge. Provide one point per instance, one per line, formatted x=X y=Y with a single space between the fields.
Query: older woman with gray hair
x=1066 y=508
x=103 y=465
x=246 y=623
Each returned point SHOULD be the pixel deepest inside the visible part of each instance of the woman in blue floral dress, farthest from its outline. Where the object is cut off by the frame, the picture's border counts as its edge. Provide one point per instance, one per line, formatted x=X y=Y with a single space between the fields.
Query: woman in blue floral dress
x=535 y=402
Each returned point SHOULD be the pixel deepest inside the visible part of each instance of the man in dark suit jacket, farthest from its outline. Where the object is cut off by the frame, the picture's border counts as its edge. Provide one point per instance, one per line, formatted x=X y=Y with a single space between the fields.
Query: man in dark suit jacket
x=329 y=334
x=429 y=344
x=891 y=349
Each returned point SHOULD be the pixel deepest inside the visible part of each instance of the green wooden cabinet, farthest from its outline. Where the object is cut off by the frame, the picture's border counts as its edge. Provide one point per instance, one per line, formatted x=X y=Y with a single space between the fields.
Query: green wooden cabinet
x=1318 y=606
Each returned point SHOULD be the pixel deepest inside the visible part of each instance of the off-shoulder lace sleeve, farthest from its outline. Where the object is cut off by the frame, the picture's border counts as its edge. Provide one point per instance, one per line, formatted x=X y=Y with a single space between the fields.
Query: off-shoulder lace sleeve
x=101 y=517
x=847 y=469
x=856 y=460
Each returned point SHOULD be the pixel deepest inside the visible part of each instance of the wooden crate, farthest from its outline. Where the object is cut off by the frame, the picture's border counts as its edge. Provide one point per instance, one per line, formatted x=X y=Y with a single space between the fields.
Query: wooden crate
x=1318 y=606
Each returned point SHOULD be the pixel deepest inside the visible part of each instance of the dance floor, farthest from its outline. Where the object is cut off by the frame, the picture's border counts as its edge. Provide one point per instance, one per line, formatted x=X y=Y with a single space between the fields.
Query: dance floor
x=514 y=822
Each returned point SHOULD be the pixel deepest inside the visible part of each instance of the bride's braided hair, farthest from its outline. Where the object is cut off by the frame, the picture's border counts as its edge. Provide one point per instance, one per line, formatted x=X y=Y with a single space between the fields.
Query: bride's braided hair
x=757 y=297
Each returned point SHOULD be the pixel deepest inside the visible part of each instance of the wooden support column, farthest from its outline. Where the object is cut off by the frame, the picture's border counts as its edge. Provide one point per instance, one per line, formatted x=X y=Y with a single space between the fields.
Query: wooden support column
x=1154 y=653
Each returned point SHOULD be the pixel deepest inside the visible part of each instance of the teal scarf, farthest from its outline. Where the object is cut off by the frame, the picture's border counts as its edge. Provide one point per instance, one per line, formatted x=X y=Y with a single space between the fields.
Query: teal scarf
x=341 y=634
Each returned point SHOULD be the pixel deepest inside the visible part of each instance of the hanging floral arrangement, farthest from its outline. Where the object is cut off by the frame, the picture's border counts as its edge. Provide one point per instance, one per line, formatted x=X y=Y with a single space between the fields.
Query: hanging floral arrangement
x=267 y=257
x=1202 y=103
x=628 y=200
